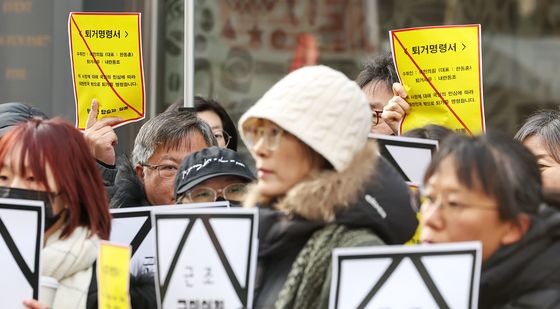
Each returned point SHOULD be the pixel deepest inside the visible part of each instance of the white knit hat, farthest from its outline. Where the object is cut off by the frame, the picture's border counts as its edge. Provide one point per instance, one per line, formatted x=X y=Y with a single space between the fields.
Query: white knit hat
x=321 y=107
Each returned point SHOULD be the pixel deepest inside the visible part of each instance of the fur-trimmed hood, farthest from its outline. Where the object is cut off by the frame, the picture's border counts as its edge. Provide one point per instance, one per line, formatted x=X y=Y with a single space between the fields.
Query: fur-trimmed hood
x=368 y=194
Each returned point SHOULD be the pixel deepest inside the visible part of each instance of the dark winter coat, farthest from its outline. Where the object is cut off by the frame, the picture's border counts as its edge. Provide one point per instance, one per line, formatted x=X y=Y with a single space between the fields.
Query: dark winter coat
x=127 y=190
x=527 y=273
x=367 y=204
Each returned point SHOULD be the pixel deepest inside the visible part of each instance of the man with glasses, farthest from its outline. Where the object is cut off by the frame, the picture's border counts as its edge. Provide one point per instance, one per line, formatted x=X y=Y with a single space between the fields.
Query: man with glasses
x=212 y=174
x=159 y=148
x=385 y=94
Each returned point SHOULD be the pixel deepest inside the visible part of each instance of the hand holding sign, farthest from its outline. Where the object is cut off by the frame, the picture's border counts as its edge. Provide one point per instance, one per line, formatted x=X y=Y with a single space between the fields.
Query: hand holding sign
x=100 y=135
x=397 y=107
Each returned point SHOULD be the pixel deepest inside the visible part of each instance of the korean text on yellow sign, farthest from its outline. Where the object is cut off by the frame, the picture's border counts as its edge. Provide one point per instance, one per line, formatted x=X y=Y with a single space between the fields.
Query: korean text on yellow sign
x=112 y=276
x=441 y=69
x=106 y=56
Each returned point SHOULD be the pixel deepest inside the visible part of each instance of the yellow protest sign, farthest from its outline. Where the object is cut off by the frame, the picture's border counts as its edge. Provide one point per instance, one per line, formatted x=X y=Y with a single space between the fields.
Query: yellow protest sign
x=112 y=276
x=415 y=193
x=441 y=69
x=106 y=54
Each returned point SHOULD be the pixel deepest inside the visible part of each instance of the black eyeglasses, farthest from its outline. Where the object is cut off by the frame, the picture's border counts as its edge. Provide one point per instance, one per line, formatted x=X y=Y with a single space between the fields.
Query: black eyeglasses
x=222 y=137
x=376 y=116
x=163 y=170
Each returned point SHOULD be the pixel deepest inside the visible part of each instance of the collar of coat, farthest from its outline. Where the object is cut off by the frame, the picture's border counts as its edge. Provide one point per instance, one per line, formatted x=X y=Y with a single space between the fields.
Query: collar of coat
x=322 y=194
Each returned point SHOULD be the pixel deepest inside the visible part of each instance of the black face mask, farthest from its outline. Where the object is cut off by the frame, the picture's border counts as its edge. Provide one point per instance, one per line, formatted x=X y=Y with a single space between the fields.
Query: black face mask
x=43 y=196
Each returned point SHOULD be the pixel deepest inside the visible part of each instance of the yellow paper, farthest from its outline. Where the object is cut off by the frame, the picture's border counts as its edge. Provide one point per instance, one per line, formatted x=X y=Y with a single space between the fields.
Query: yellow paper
x=441 y=66
x=415 y=240
x=112 y=276
x=106 y=59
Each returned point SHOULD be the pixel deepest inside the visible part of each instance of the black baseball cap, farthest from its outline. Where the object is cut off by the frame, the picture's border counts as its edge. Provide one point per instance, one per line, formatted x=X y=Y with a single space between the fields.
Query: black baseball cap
x=209 y=163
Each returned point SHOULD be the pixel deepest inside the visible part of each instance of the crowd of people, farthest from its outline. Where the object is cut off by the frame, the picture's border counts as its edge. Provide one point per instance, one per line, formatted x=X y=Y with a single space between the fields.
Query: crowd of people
x=321 y=184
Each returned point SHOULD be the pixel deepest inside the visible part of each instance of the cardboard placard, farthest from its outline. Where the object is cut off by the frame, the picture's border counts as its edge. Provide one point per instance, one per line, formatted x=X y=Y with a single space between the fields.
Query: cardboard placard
x=431 y=276
x=206 y=258
x=21 y=242
x=409 y=155
x=133 y=226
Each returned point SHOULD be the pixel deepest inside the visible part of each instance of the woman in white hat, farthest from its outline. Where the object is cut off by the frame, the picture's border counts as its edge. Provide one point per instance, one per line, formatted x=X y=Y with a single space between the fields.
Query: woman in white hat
x=317 y=185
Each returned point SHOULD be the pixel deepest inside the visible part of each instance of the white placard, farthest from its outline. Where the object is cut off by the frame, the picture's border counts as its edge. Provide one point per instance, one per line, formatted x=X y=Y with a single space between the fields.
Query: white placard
x=409 y=155
x=206 y=258
x=423 y=276
x=21 y=241
x=133 y=226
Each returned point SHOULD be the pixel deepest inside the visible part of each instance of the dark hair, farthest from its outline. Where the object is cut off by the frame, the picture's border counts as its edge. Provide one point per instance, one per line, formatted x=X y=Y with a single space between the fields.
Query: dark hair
x=13 y=113
x=59 y=146
x=431 y=131
x=546 y=125
x=496 y=165
x=380 y=69
x=201 y=105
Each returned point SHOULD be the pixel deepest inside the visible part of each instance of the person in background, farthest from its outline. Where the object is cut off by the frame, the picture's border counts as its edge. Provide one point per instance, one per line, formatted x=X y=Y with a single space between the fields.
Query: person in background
x=540 y=133
x=212 y=174
x=14 y=112
x=216 y=116
x=386 y=96
x=431 y=131
x=160 y=146
x=488 y=189
x=51 y=156
x=316 y=185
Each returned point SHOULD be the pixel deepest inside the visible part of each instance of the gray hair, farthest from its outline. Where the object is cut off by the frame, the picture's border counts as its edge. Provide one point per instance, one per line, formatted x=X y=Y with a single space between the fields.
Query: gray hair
x=170 y=129
x=546 y=125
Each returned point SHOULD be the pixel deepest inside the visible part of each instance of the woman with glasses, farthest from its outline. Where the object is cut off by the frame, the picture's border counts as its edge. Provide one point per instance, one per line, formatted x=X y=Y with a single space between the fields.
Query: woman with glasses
x=216 y=116
x=316 y=183
x=488 y=188
x=218 y=119
x=212 y=174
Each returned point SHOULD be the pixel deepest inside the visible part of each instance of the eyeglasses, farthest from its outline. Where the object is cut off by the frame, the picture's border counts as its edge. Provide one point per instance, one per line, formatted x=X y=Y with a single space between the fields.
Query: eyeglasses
x=269 y=134
x=222 y=137
x=376 y=116
x=234 y=192
x=163 y=170
x=449 y=208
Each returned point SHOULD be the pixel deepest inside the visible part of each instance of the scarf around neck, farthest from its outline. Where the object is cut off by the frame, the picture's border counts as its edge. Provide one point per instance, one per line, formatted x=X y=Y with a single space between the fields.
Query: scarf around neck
x=70 y=262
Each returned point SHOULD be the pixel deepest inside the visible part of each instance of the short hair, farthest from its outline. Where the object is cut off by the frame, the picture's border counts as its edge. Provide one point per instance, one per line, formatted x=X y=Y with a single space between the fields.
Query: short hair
x=497 y=165
x=201 y=104
x=431 y=131
x=169 y=129
x=61 y=147
x=546 y=125
x=380 y=69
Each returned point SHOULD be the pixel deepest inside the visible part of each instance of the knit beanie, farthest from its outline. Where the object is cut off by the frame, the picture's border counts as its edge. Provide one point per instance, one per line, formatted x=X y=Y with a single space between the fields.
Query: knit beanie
x=322 y=108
